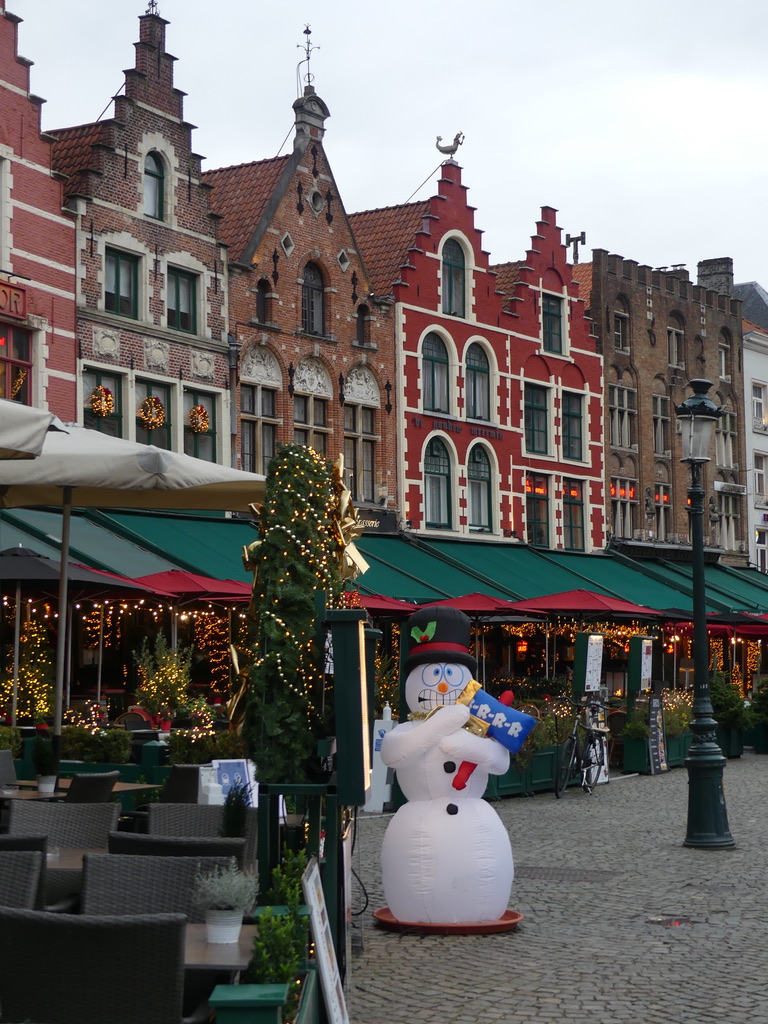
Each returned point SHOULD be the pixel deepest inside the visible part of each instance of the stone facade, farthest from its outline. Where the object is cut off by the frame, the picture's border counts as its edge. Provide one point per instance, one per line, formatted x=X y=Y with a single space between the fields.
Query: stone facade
x=657 y=330
x=37 y=272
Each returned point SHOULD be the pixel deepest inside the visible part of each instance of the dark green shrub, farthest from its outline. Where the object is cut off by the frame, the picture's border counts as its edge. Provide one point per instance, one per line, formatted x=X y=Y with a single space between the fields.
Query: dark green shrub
x=104 y=746
x=10 y=739
x=729 y=709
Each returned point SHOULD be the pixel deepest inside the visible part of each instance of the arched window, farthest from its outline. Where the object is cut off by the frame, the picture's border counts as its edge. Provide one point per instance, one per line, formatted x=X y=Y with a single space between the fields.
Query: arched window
x=154 y=186
x=262 y=301
x=434 y=372
x=478 y=384
x=312 y=300
x=453 y=278
x=437 y=485
x=479 y=477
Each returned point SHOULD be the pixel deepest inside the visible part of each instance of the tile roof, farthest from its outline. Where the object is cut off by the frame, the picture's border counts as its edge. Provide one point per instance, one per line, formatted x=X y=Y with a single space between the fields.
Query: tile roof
x=383 y=238
x=507 y=276
x=582 y=274
x=72 y=152
x=747 y=325
x=240 y=195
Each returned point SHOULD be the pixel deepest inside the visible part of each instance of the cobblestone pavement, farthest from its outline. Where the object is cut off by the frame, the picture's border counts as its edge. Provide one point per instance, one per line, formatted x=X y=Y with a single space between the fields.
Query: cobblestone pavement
x=593 y=876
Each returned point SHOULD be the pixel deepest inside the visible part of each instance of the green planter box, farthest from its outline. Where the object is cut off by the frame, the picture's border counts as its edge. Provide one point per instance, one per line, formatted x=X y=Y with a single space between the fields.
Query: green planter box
x=262 y=1004
x=677 y=749
x=730 y=741
x=636 y=757
x=537 y=776
x=542 y=771
x=760 y=737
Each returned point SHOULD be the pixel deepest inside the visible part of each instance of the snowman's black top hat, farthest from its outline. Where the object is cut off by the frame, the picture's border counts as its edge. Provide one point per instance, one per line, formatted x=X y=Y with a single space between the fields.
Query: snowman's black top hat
x=437 y=633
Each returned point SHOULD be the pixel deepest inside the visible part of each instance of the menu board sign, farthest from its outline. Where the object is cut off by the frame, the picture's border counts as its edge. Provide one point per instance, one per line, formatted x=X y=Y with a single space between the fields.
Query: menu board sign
x=657 y=747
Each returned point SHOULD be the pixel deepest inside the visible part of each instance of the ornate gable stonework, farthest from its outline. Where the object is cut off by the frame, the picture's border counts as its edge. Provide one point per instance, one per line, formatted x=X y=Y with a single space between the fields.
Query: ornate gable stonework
x=261 y=366
x=360 y=386
x=312 y=378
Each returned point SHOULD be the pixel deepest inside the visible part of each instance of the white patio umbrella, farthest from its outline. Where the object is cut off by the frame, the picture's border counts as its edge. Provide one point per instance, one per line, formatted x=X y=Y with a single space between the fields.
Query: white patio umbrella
x=85 y=468
x=22 y=430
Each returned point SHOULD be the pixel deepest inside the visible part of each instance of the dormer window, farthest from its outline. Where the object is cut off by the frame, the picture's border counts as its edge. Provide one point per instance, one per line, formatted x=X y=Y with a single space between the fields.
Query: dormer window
x=453 y=278
x=154 y=186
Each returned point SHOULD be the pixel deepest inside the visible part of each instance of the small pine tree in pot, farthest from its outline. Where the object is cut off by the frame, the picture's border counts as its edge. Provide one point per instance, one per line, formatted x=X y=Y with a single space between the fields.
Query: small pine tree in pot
x=44 y=761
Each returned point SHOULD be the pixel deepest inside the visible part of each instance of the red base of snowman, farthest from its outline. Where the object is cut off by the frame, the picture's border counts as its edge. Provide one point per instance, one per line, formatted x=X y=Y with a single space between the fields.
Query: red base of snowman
x=508 y=921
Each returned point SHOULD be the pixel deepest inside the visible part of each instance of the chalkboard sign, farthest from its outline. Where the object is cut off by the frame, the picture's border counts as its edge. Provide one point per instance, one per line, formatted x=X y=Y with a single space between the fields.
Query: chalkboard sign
x=657 y=744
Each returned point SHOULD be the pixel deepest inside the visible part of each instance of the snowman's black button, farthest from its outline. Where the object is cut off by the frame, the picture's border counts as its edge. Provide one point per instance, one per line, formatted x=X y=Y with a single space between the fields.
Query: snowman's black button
x=452 y=809
x=449 y=767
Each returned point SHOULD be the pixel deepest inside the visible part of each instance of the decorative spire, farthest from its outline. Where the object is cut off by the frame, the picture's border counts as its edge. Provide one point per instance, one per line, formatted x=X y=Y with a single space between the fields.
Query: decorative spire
x=152 y=7
x=308 y=48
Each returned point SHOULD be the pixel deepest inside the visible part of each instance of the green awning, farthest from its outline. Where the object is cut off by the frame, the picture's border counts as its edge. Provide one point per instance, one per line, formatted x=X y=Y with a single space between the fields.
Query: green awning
x=403 y=569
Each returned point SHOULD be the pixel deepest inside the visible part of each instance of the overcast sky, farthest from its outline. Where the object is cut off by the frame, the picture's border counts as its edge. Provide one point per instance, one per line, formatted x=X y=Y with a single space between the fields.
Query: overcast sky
x=643 y=125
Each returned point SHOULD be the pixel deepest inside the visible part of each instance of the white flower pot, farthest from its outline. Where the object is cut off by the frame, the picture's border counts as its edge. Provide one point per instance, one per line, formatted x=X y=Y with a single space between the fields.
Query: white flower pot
x=223 y=926
x=46 y=783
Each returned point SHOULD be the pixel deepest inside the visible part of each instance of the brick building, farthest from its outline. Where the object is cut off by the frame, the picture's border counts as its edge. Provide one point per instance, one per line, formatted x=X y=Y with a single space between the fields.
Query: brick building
x=153 y=360
x=657 y=330
x=315 y=354
x=37 y=272
x=499 y=384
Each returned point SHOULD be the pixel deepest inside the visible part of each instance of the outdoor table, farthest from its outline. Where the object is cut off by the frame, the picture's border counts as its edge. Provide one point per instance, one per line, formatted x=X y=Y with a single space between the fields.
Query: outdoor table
x=235 y=956
x=29 y=794
x=119 y=787
x=69 y=858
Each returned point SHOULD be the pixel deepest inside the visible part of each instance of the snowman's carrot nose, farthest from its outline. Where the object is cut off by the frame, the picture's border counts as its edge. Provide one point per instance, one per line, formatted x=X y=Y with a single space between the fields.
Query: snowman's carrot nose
x=442 y=687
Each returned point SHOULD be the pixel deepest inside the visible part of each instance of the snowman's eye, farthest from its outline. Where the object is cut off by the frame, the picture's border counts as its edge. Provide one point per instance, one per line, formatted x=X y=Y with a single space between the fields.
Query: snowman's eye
x=435 y=672
x=449 y=671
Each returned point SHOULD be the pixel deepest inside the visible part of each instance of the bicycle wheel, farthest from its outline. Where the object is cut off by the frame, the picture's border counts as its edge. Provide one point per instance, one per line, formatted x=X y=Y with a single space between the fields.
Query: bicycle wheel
x=566 y=766
x=593 y=761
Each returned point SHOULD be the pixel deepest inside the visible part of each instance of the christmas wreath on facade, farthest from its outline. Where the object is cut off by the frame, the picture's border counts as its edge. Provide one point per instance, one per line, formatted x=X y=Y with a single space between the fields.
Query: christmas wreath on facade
x=151 y=412
x=102 y=401
x=198 y=419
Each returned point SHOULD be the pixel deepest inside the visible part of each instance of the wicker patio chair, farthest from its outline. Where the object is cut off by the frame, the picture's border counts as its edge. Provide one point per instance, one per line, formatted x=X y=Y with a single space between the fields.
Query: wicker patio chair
x=91 y=789
x=120 y=970
x=7 y=769
x=143 y=845
x=167 y=819
x=39 y=843
x=160 y=885
x=71 y=825
x=20 y=878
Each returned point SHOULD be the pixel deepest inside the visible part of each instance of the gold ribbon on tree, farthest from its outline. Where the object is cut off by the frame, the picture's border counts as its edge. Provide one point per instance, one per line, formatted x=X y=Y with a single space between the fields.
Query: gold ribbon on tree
x=347 y=527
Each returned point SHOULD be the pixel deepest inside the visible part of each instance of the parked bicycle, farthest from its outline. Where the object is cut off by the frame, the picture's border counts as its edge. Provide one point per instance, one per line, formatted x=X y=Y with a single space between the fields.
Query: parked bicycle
x=584 y=750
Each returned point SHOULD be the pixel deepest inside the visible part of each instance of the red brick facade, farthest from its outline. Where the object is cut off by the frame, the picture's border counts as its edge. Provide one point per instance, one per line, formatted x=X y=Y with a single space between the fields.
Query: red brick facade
x=315 y=359
x=473 y=358
x=37 y=274
x=152 y=286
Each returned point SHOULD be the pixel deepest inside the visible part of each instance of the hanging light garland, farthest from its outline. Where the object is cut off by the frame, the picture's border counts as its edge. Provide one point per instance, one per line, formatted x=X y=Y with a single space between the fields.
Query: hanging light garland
x=198 y=419
x=102 y=401
x=151 y=413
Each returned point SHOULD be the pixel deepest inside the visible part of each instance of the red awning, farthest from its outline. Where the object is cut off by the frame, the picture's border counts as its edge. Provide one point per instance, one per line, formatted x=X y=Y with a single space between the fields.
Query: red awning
x=584 y=602
x=189 y=585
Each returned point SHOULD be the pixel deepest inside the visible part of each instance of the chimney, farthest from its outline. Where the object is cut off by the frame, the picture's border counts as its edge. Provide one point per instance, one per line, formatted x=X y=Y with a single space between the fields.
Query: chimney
x=311 y=113
x=716 y=275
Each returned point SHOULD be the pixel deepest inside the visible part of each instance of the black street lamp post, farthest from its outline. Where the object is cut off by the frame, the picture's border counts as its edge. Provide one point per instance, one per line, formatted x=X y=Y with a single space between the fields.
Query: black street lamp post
x=707 y=816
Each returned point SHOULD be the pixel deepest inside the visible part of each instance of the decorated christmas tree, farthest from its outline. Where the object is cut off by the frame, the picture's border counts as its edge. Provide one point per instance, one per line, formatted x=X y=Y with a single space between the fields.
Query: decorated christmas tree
x=34 y=697
x=298 y=564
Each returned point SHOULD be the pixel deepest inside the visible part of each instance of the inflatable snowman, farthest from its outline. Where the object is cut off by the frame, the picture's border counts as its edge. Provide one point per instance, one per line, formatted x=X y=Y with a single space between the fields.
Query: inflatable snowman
x=446 y=857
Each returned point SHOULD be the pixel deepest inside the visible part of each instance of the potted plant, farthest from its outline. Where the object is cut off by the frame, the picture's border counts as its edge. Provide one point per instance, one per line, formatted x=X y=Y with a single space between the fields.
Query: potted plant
x=226 y=895
x=760 y=713
x=165 y=676
x=636 y=733
x=44 y=761
x=678 y=711
x=732 y=714
x=235 y=811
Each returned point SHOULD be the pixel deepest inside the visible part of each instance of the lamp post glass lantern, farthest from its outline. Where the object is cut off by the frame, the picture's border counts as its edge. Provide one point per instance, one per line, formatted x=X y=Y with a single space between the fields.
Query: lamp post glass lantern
x=707 y=816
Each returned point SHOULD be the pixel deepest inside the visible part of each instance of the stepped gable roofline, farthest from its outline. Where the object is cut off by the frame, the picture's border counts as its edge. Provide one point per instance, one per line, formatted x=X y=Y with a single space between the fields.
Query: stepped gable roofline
x=384 y=236
x=241 y=195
